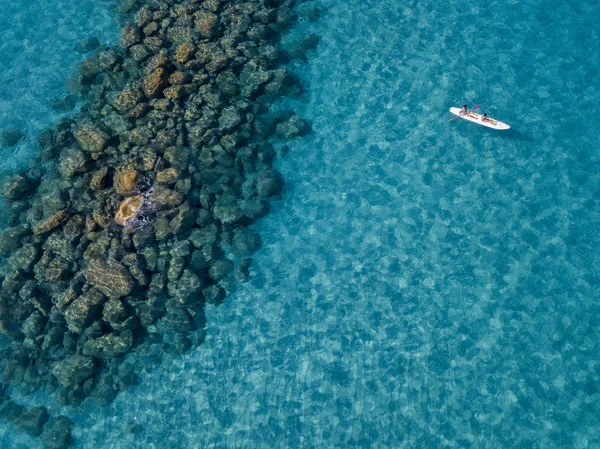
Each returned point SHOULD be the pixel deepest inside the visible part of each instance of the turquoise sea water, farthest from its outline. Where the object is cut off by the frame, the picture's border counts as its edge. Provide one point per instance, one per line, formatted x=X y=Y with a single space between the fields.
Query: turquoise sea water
x=37 y=56
x=422 y=283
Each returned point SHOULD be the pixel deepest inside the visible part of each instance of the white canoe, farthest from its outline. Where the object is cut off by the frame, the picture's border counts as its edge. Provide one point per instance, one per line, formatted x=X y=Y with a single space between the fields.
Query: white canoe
x=476 y=118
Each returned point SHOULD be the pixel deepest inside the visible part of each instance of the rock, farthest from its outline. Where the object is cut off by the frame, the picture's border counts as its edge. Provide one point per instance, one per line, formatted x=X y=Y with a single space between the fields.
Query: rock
x=179 y=78
x=16 y=187
x=109 y=346
x=211 y=5
x=188 y=288
x=139 y=52
x=227 y=213
x=58 y=244
x=178 y=35
x=114 y=312
x=254 y=208
x=24 y=258
x=127 y=100
x=162 y=228
x=126 y=375
x=178 y=320
x=104 y=392
x=73 y=370
x=10 y=411
x=73 y=228
x=204 y=218
x=168 y=176
x=214 y=294
x=230 y=118
x=11 y=137
x=57 y=433
x=151 y=28
x=32 y=421
x=183 y=221
x=154 y=44
x=91 y=138
x=98 y=181
x=175 y=270
x=228 y=83
x=156 y=62
x=34 y=325
x=87 y=45
x=242 y=270
x=107 y=60
x=178 y=91
x=130 y=35
x=165 y=198
x=110 y=276
x=154 y=83
x=206 y=23
x=245 y=242
x=57 y=270
x=125 y=181
x=292 y=127
x=252 y=77
x=51 y=223
x=72 y=162
x=10 y=239
x=128 y=210
x=269 y=183
x=220 y=268
x=101 y=217
x=84 y=310
x=184 y=52
x=205 y=236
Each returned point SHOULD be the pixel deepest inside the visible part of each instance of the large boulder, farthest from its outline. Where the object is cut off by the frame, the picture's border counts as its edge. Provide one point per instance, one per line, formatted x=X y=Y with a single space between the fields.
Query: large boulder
x=110 y=277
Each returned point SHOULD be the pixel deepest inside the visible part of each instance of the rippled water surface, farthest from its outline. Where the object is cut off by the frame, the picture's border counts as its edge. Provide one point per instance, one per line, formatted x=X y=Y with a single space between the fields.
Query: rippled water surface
x=423 y=283
x=37 y=56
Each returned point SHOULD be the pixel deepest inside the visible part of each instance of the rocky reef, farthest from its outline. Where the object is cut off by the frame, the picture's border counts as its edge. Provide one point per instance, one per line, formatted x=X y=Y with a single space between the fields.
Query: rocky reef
x=136 y=214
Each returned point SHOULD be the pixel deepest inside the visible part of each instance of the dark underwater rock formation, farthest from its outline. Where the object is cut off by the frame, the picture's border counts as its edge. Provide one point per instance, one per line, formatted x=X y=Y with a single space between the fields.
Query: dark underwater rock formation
x=122 y=231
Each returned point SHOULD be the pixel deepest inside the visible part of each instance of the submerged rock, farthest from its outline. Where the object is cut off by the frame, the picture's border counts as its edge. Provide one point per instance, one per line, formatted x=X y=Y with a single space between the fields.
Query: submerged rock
x=11 y=136
x=87 y=45
x=16 y=187
x=54 y=221
x=91 y=138
x=110 y=276
x=83 y=310
x=154 y=83
x=109 y=346
x=73 y=370
x=125 y=180
x=32 y=421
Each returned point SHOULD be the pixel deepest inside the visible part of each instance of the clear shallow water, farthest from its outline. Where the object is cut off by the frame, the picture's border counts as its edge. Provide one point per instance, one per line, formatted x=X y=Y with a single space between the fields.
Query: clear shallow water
x=37 y=56
x=422 y=283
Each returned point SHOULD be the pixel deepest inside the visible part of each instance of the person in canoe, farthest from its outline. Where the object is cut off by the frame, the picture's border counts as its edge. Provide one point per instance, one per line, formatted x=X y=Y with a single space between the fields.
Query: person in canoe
x=485 y=118
x=464 y=110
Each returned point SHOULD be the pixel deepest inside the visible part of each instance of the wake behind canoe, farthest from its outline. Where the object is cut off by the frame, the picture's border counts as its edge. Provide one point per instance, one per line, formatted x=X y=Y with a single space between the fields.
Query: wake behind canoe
x=476 y=118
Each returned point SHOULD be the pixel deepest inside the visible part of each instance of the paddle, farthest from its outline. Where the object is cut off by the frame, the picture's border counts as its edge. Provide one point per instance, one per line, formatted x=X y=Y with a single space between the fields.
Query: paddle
x=458 y=116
